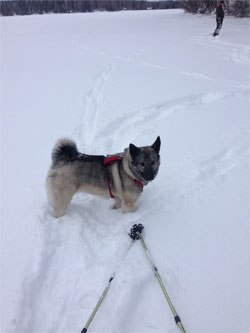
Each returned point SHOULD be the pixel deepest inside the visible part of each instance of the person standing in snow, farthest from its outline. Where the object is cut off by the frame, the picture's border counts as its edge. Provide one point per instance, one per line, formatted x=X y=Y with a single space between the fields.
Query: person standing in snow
x=219 y=18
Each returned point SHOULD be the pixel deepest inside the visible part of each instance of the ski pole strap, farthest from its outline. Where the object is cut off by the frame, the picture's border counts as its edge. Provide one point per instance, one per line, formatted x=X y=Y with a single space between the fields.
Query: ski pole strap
x=157 y=275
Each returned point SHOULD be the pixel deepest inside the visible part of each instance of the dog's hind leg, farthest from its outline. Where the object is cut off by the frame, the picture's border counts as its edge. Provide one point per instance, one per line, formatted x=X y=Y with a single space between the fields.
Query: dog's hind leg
x=60 y=196
x=61 y=204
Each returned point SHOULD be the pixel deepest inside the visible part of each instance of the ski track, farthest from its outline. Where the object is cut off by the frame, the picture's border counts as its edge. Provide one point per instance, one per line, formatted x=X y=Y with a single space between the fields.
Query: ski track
x=85 y=234
x=237 y=53
x=115 y=58
x=145 y=119
x=225 y=83
x=195 y=176
x=138 y=119
x=156 y=112
x=91 y=105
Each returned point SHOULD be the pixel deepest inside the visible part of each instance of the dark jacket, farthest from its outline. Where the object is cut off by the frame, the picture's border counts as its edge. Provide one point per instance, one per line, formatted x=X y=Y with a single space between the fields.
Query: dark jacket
x=220 y=12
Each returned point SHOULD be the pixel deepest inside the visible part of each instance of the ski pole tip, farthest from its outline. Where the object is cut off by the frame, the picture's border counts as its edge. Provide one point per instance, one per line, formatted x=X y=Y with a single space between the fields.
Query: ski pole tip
x=84 y=330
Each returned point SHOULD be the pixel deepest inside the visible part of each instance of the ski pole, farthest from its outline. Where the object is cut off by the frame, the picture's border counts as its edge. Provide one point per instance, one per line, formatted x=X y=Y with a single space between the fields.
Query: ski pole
x=136 y=234
x=98 y=304
x=85 y=329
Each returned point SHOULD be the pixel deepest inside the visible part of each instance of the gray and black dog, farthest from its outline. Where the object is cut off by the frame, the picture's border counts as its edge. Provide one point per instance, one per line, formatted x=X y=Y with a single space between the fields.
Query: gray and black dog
x=121 y=176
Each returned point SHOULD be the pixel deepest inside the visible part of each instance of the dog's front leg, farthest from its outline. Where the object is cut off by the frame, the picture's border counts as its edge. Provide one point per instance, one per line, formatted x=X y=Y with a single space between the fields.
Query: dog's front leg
x=118 y=203
x=128 y=206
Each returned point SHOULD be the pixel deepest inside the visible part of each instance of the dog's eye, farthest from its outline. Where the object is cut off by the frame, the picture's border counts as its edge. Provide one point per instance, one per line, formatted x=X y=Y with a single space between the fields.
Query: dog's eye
x=153 y=163
x=142 y=164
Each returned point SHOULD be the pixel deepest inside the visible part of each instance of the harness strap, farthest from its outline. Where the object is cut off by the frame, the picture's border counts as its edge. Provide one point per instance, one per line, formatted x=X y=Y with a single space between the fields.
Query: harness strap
x=138 y=183
x=110 y=161
x=109 y=185
x=107 y=163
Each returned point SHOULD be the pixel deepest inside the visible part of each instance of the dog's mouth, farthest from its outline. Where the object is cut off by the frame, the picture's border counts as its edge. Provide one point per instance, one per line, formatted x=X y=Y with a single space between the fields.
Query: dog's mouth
x=148 y=177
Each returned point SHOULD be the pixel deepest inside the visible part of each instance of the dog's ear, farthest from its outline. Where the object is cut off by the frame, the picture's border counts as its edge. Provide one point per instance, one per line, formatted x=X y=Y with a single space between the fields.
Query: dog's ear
x=156 y=145
x=134 y=151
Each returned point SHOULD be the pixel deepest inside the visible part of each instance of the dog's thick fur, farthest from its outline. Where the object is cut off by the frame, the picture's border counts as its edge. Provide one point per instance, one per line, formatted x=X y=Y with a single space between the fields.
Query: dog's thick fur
x=73 y=172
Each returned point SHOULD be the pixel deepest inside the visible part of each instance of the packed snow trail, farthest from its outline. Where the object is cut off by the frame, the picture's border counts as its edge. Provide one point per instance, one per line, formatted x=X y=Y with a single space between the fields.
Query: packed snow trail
x=106 y=80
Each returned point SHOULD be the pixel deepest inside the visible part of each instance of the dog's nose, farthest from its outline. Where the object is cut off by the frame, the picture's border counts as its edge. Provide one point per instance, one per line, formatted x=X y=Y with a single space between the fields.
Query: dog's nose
x=148 y=176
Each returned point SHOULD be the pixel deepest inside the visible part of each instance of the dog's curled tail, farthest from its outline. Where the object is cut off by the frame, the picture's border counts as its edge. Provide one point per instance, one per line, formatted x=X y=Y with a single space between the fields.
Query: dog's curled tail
x=65 y=150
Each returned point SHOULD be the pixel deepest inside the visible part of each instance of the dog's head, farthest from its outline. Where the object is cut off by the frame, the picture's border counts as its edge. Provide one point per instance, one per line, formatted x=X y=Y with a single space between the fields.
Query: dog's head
x=145 y=161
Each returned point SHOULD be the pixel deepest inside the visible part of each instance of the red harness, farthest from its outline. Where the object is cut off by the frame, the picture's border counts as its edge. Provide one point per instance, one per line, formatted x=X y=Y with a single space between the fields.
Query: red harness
x=110 y=161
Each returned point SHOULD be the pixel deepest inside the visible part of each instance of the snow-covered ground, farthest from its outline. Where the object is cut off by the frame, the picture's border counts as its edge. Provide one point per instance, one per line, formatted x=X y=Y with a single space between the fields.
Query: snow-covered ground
x=105 y=80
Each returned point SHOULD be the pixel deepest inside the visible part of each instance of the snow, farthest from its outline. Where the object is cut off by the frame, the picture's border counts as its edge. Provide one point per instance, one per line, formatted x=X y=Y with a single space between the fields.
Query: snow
x=105 y=80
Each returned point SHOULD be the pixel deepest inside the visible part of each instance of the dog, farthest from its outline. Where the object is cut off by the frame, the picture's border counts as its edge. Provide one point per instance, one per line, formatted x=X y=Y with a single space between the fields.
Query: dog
x=121 y=176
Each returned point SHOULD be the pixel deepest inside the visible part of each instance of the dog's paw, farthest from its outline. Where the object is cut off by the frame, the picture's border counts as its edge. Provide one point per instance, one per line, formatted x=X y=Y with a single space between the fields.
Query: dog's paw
x=117 y=204
x=129 y=206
